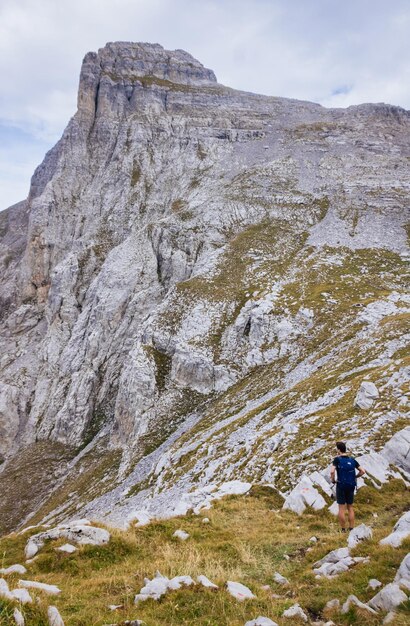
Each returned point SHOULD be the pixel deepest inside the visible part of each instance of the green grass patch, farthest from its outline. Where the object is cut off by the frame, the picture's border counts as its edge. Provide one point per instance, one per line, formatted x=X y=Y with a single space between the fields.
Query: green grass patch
x=247 y=540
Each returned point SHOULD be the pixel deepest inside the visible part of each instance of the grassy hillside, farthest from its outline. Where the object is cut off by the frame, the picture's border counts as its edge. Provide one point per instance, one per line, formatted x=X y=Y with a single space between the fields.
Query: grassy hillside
x=247 y=540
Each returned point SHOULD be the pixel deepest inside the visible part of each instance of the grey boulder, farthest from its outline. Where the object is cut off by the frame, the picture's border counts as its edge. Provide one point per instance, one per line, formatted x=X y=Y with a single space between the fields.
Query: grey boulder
x=403 y=573
x=352 y=599
x=390 y=597
x=81 y=533
x=400 y=532
x=366 y=395
x=358 y=534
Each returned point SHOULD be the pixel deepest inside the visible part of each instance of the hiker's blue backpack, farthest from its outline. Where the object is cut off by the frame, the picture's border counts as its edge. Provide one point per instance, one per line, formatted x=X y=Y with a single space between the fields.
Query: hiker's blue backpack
x=346 y=471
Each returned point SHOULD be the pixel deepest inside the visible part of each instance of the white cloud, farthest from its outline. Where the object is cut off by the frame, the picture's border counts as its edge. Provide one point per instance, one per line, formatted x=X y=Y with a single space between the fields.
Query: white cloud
x=335 y=53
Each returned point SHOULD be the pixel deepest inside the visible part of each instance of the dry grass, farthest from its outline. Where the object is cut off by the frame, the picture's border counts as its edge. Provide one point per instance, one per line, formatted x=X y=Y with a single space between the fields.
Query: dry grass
x=246 y=540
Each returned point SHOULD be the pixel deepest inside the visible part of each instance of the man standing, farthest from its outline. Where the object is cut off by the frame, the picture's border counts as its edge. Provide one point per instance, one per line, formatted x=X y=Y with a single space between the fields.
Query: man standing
x=346 y=467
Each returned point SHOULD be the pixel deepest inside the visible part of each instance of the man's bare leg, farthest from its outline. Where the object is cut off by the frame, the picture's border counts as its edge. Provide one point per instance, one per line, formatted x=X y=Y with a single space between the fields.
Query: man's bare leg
x=342 y=515
x=350 y=513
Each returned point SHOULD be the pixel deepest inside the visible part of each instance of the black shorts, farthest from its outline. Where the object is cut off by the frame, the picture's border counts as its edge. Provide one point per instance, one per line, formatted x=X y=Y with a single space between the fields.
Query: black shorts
x=344 y=494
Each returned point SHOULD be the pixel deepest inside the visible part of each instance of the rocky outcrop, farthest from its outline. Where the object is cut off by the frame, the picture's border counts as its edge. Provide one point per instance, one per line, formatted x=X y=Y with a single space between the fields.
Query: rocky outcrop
x=239 y=591
x=390 y=597
x=400 y=532
x=79 y=532
x=295 y=611
x=159 y=586
x=366 y=395
x=397 y=450
x=335 y=563
x=34 y=584
x=359 y=534
x=380 y=466
x=54 y=617
x=18 y=617
x=353 y=600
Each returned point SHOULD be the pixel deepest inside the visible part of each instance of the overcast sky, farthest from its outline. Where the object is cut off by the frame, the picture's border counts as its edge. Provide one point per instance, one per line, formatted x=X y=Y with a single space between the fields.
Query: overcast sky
x=335 y=52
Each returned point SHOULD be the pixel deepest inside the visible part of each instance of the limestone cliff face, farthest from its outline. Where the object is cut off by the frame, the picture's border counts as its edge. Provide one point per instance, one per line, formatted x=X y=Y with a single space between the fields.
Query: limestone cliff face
x=148 y=272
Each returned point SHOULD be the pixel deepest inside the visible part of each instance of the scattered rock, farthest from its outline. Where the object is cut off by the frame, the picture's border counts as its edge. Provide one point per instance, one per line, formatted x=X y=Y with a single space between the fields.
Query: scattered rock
x=374 y=583
x=281 y=580
x=361 y=559
x=329 y=570
x=205 y=520
x=203 y=580
x=295 y=611
x=239 y=591
x=400 y=532
x=313 y=539
x=159 y=586
x=178 y=581
x=355 y=600
x=334 y=508
x=334 y=563
x=376 y=466
x=390 y=617
x=261 y=621
x=333 y=557
x=403 y=573
x=303 y=495
x=18 y=617
x=181 y=534
x=67 y=547
x=405 y=583
x=54 y=617
x=366 y=395
x=79 y=533
x=154 y=588
x=358 y=534
x=33 y=584
x=332 y=604
x=318 y=480
x=30 y=551
x=396 y=450
x=22 y=595
x=13 y=569
x=114 y=607
x=388 y=598
x=5 y=591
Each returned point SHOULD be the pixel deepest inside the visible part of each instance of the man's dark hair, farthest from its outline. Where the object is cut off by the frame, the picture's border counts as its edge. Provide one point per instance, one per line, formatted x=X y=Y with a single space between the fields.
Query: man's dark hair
x=341 y=446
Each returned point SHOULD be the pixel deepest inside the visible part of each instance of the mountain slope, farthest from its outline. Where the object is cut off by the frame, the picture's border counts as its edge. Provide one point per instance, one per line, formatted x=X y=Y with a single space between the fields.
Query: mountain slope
x=201 y=281
x=247 y=539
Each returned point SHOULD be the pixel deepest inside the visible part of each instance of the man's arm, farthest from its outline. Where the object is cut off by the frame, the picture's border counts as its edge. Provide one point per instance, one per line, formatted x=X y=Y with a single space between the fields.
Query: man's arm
x=332 y=474
x=361 y=471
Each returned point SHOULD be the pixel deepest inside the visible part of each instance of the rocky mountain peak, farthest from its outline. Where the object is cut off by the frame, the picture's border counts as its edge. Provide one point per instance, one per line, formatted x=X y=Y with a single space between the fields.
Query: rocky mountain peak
x=121 y=66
